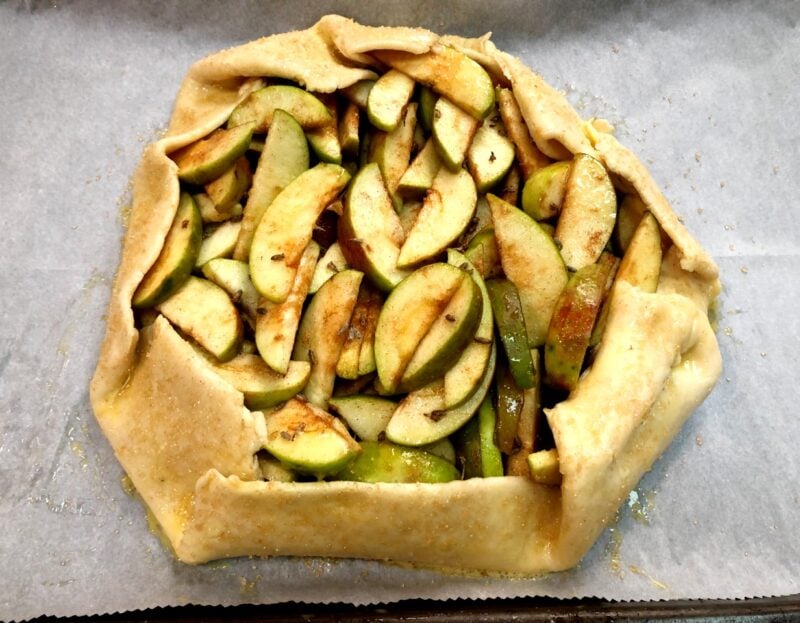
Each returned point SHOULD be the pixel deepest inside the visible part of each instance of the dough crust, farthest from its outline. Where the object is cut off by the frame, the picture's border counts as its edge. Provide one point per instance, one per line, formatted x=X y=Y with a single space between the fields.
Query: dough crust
x=188 y=443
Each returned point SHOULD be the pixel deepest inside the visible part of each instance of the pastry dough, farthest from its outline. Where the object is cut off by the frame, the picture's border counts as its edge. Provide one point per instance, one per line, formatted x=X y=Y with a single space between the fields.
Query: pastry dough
x=187 y=441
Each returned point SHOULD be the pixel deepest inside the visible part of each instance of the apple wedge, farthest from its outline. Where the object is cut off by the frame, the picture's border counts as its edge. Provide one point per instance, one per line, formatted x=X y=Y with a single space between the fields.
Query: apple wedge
x=367 y=416
x=233 y=276
x=641 y=264
x=284 y=157
x=453 y=131
x=588 y=213
x=392 y=152
x=531 y=261
x=323 y=330
x=446 y=211
x=358 y=93
x=205 y=160
x=543 y=193
x=332 y=261
x=510 y=321
x=481 y=456
x=219 y=242
x=366 y=356
x=420 y=174
x=528 y=423
x=407 y=315
x=370 y=233
x=448 y=72
x=230 y=187
x=387 y=462
x=347 y=366
x=308 y=439
x=348 y=131
x=422 y=419
x=203 y=311
x=177 y=258
x=260 y=106
x=286 y=228
x=324 y=140
x=388 y=99
x=528 y=154
x=277 y=323
x=482 y=253
x=490 y=155
x=261 y=386
x=544 y=467
x=509 y=409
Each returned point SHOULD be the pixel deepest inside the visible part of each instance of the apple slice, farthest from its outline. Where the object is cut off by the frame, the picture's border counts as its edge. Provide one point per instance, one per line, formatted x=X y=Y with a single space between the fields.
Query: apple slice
x=277 y=323
x=219 y=242
x=386 y=462
x=210 y=157
x=422 y=419
x=543 y=193
x=233 y=276
x=228 y=188
x=329 y=264
x=285 y=156
x=408 y=214
x=420 y=174
x=528 y=155
x=392 y=152
x=483 y=254
x=448 y=72
x=447 y=337
x=587 y=214
x=510 y=321
x=366 y=356
x=490 y=155
x=453 y=131
x=323 y=330
x=358 y=93
x=203 y=311
x=309 y=439
x=463 y=378
x=446 y=211
x=286 y=228
x=324 y=140
x=509 y=409
x=370 y=232
x=209 y=212
x=348 y=130
x=510 y=188
x=388 y=99
x=641 y=264
x=367 y=416
x=260 y=106
x=177 y=258
x=531 y=261
x=528 y=423
x=261 y=386
x=427 y=102
x=347 y=366
x=544 y=467
x=407 y=315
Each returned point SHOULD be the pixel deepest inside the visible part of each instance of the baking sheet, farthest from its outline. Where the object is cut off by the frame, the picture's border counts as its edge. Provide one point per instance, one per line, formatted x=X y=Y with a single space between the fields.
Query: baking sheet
x=705 y=92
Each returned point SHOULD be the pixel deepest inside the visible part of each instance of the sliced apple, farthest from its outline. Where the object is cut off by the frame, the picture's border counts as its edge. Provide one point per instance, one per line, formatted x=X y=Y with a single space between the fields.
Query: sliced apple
x=386 y=462
x=348 y=130
x=392 y=152
x=528 y=423
x=491 y=459
x=447 y=337
x=509 y=409
x=277 y=323
x=641 y=264
x=528 y=155
x=323 y=330
x=358 y=93
x=453 y=131
x=366 y=356
x=284 y=157
x=332 y=261
x=422 y=419
x=177 y=258
x=490 y=155
x=408 y=214
x=443 y=449
x=286 y=228
x=543 y=193
x=230 y=187
x=630 y=212
x=309 y=439
x=448 y=72
x=427 y=101
x=219 y=242
x=483 y=254
x=510 y=320
x=260 y=106
x=388 y=99
x=367 y=416
x=420 y=174
x=407 y=315
x=203 y=311
x=261 y=386
x=587 y=214
x=210 y=157
x=324 y=140
x=209 y=213
x=510 y=188
x=544 y=467
x=347 y=366
x=446 y=211
x=531 y=261
x=233 y=276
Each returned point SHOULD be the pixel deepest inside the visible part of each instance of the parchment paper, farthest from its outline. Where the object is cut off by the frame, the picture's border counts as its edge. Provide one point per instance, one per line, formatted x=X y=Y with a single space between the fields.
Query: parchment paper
x=705 y=92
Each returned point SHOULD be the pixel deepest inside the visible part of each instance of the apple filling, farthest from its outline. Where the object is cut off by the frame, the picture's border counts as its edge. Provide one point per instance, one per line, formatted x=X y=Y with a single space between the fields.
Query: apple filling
x=395 y=274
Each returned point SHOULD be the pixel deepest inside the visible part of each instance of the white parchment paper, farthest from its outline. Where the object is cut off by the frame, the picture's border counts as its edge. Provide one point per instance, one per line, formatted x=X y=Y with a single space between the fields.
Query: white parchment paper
x=705 y=92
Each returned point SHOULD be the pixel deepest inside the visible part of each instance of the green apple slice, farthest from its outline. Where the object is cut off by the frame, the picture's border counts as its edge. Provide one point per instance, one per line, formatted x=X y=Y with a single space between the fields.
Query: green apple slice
x=641 y=264
x=260 y=106
x=332 y=261
x=468 y=442
x=286 y=228
x=630 y=212
x=208 y=211
x=530 y=158
x=571 y=326
x=422 y=419
x=490 y=155
x=543 y=193
x=447 y=337
x=230 y=187
x=407 y=315
x=203 y=311
x=388 y=99
x=509 y=409
x=277 y=323
x=177 y=258
x=366 y=356
x=323 y=330
x=531 y=261
x=358 y=93
x=233 y=276
x=483 y=254
x=392 y=152
x=324 y=140
x=210 y=157
x=285 y=156
x=367 y=416
x=309 y=439
x=261 y=386
x=427 y=101
x=347 y=366
x=408 y=214
x=348 y=130
x=446 y=211
x=528 y=423
x=587 y=214
x=453 y=131
x=510 y=187
x=510 y=321
x=491 y=459
x=463 y=378
x=386 y=462
x=370 y=232
x=420 y=174
x=448 y=72
x=219 y=242
x=544 y=467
